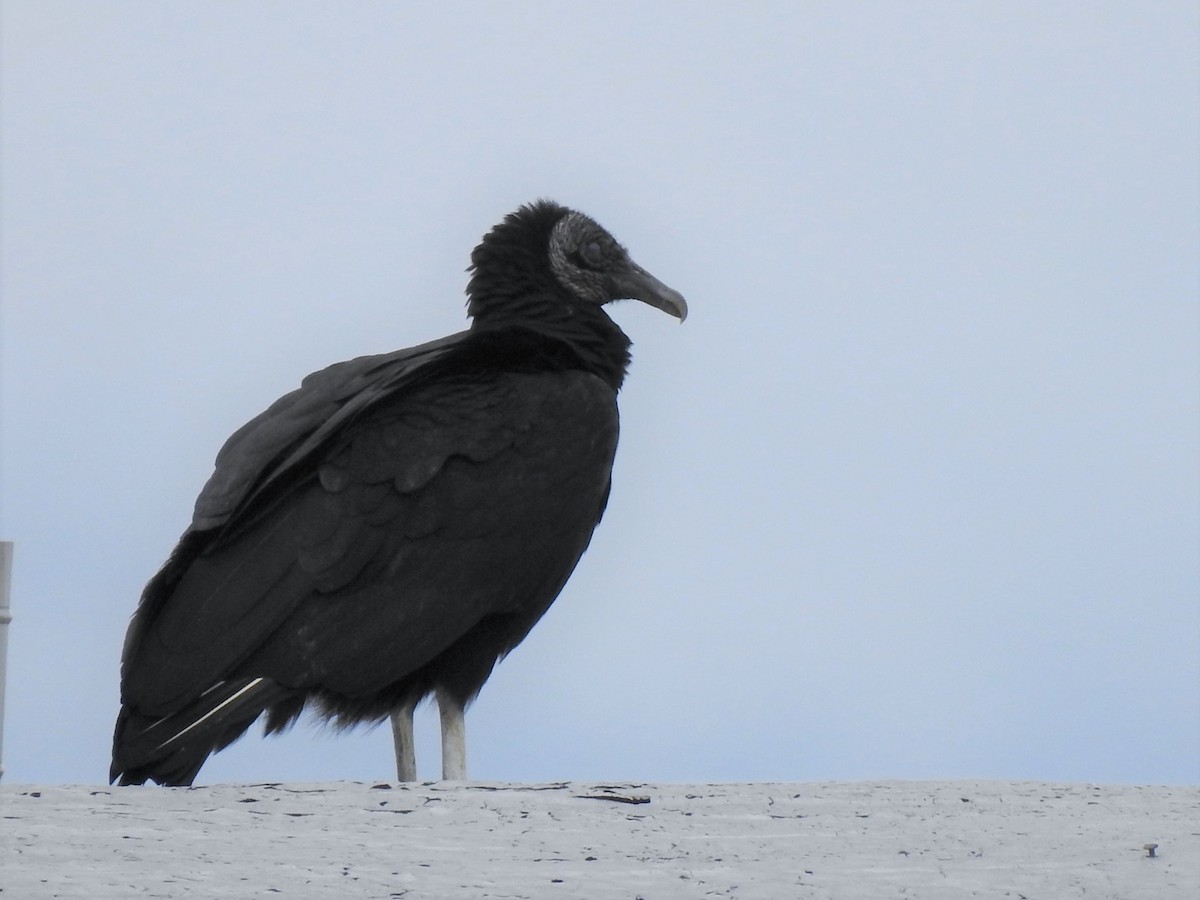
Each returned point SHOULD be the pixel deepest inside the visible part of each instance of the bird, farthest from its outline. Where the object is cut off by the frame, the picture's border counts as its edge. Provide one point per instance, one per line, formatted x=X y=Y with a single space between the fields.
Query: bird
x=391 y=529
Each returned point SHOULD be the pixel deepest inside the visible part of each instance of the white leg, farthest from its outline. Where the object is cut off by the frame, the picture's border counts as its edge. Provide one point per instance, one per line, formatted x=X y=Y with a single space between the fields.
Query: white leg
x=454 y=739
x=406 y=754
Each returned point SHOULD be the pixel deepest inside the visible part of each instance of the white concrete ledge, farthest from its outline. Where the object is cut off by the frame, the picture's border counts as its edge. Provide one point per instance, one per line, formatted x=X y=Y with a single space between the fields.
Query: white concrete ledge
x=950 y=839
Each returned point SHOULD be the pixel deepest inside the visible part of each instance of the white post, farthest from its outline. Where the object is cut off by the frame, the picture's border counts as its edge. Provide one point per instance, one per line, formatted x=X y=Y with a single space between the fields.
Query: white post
x=6 y=551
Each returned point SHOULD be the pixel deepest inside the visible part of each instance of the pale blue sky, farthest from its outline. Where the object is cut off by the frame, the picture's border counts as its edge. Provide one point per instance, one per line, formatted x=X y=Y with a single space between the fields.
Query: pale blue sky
x=913 y=493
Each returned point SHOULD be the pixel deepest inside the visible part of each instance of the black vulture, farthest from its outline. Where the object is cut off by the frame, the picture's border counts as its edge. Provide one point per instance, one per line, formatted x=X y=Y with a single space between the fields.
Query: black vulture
x=395 y=526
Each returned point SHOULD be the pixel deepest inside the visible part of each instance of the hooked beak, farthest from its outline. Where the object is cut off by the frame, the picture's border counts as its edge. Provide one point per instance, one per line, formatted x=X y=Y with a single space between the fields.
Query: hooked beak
x=635 y=283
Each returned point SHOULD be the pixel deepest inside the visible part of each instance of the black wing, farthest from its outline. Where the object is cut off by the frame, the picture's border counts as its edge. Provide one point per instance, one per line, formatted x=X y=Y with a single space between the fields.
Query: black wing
x=398 y=522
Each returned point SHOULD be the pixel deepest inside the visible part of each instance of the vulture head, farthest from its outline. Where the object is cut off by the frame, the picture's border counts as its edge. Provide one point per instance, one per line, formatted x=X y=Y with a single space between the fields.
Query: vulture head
x=546 y=256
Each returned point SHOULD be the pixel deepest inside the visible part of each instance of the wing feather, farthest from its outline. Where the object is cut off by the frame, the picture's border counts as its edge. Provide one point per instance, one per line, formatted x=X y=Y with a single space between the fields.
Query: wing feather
x=398 y=542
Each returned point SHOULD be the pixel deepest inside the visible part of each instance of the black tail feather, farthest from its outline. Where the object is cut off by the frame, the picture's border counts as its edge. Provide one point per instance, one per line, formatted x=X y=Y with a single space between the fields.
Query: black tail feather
x=171 y=749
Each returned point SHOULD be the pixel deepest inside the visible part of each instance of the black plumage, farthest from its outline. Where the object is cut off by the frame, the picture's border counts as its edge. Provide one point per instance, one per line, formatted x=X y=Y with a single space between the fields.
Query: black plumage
x=397 y=524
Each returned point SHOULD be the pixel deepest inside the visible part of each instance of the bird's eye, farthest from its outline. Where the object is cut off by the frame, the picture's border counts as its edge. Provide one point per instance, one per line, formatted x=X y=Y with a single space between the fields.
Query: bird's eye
x=592 y=254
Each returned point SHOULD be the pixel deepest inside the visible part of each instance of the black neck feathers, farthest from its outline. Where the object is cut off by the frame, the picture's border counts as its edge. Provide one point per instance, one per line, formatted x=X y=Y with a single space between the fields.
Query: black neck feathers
x=513 y=286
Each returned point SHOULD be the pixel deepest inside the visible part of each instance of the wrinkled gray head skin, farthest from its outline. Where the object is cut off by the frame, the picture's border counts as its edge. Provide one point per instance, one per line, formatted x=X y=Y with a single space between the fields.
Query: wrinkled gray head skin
x=589 y=263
